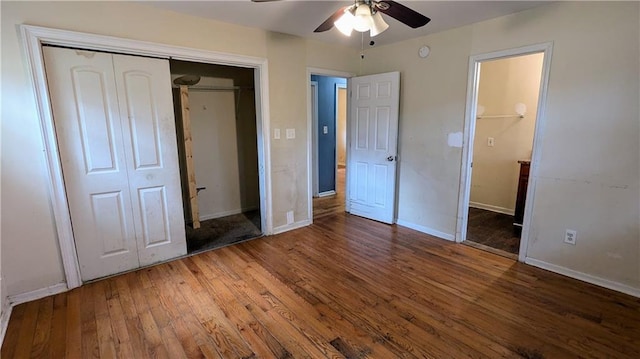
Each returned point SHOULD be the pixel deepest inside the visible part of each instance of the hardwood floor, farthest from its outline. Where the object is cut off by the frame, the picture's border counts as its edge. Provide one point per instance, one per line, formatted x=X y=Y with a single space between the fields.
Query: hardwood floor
x=344 y=287
x=325 y=206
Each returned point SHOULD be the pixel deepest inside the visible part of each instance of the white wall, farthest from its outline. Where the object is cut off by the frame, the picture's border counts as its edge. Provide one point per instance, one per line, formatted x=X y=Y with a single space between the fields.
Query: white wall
x=503 y=84
x=215 y=149
x=588 y=178
x=31 y=257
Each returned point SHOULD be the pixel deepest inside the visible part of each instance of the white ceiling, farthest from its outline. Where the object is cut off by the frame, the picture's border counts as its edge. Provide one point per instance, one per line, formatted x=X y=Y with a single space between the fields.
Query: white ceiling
x=301 y=17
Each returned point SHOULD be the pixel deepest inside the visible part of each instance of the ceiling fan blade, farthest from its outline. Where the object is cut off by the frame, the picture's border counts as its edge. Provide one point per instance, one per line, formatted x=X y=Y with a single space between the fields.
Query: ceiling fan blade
x=328 y=23
x=402 y=13
x=263 y=0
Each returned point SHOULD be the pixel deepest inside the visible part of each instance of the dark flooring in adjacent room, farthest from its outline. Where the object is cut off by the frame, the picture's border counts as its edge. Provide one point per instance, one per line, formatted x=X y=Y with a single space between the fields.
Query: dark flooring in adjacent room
x=493 y=230
x=220 y=232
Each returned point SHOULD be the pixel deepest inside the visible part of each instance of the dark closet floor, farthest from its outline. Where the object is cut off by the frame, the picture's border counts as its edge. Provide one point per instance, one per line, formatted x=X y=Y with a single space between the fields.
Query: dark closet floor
x=493 y=230
x=220 y=232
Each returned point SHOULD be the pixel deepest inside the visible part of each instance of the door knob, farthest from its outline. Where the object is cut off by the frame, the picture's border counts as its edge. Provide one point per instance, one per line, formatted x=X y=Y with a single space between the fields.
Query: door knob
x=390 y=158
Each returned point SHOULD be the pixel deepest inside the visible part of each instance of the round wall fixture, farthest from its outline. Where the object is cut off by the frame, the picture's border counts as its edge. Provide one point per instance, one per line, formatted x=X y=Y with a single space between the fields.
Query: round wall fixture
x=424 y=51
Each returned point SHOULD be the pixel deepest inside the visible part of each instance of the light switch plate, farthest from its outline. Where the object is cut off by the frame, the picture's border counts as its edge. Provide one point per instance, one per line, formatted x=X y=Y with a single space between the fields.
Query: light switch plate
x=325 y=129
x=291 y=133
x=491 y=142
x=276 y=133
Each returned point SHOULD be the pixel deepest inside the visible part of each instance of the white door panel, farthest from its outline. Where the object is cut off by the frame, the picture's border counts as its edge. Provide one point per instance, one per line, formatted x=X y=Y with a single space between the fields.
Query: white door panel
x=116 y=133
x=373 y=146
x=146 y=106
x=88 y=128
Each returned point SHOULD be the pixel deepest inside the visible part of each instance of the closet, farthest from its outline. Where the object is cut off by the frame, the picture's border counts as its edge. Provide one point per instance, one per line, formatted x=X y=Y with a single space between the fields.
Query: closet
x=115 y=128
x=215 y=109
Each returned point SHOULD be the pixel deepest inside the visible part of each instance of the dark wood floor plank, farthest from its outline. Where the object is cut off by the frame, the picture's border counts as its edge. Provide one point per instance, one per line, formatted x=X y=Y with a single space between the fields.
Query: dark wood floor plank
x=13 y=330
x=74 y=324
x=58 y=327
x=27 y=330
x=41 y=340
x=90 y=346
x=344 y=287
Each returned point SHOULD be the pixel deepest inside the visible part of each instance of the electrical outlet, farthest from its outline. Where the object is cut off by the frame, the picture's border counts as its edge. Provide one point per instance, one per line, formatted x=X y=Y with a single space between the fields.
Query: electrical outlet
x=490 y=141
x=325 y=129
x=289 y=217
x=570 y=236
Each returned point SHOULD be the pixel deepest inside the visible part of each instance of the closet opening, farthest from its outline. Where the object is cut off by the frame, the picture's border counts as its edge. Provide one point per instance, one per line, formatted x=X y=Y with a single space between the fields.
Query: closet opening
x=215 y=111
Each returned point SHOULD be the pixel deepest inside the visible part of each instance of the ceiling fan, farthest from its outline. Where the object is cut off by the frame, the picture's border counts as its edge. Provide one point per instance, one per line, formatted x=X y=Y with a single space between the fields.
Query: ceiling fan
x=364 y=15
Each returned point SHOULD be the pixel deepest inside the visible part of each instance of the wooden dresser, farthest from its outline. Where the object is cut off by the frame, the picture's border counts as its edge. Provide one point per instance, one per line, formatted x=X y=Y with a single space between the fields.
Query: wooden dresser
x=521 y=197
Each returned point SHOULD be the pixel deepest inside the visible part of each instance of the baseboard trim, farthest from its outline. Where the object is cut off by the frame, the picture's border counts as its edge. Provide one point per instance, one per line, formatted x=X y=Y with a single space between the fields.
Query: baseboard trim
x=37 y=294
x=427 y=230
x=618 y=287
x=227 y=213
x=291 y=226
x=326 y=193
x=4 y=319
x=492 y=208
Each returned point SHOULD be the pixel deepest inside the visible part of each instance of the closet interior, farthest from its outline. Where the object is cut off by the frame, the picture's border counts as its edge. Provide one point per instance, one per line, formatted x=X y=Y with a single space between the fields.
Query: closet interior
x=215 y=110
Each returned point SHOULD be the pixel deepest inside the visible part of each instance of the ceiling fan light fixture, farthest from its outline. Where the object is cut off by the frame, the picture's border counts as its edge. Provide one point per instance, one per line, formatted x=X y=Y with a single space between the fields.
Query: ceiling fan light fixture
x=345 y=23
x=362 y=21
x=378 y=25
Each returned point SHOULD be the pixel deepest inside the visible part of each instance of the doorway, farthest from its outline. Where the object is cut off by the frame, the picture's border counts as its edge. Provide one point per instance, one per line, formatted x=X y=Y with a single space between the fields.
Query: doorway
x=329 y=123
x=506 y=102
x=215 y=109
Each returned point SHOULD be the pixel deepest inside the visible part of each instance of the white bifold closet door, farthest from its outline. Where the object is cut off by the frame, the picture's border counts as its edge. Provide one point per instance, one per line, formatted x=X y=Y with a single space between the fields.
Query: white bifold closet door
x=115 y=127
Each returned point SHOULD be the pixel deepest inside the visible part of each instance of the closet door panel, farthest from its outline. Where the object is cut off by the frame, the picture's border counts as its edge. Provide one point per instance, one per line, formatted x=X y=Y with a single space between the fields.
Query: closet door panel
x=143 y=119
x=146 y=107
x=92 y=152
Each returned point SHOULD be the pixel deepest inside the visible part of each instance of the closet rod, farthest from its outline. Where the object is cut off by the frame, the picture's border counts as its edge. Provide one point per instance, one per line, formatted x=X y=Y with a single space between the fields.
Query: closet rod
x=218 y=88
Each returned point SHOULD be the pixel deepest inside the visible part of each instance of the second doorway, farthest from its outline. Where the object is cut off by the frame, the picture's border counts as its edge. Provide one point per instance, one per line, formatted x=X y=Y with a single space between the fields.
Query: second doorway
x=329 y=122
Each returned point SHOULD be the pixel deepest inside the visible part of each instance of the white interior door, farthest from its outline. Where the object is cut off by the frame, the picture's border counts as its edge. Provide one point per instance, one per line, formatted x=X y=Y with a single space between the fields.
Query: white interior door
x=116 y=134
x=372 y=153
x=83 y=96
x=146 y=110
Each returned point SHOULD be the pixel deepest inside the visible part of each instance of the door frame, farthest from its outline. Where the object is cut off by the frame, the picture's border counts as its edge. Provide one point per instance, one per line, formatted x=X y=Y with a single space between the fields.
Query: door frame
x=35 y=36
x=314 y=132
x=336 y=88
x=311 y=151
x=473 y=82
